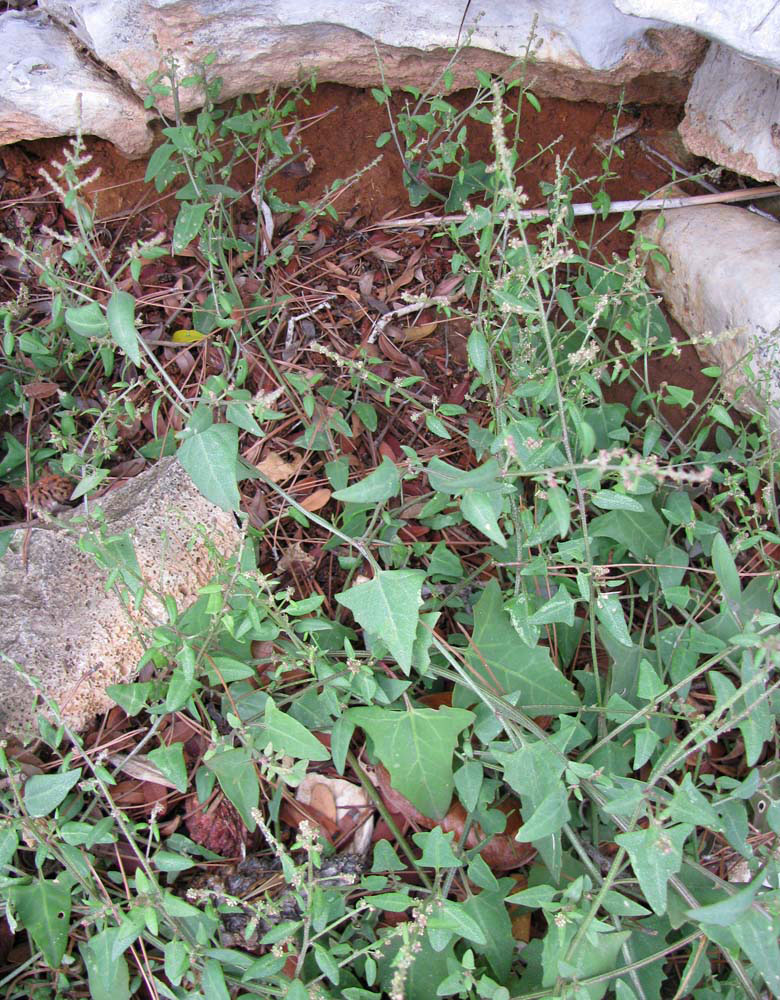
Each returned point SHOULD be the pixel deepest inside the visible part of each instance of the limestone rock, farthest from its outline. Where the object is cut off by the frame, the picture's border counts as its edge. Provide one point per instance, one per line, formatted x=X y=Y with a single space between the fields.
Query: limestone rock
x=750 y=27
x=732 y=115
x=582 y=53
x=725 y=283
x=58 y=622
x=43 y=77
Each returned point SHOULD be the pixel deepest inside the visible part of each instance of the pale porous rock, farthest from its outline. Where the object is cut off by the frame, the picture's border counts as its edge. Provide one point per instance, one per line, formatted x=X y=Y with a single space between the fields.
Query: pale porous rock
x=60 y=625
x=49 y=88
x=732 y=115
x=724 y=283
x=751 y=27
x=733 y=110
x=585 y=50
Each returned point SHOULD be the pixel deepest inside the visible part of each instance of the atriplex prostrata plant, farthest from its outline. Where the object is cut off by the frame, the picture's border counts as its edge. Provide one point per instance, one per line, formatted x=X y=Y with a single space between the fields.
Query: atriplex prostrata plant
x=595 y=600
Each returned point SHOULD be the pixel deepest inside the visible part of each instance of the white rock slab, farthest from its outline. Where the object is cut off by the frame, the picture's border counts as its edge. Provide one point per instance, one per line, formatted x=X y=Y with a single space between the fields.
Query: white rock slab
x=45 y=80
x=585 y=50
x=732 y=115
x=724 y=285
x=58 y=622
x=750 y=27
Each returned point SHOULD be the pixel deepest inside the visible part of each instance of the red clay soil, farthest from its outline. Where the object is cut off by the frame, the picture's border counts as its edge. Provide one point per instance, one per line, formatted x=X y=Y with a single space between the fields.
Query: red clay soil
x=341 y=138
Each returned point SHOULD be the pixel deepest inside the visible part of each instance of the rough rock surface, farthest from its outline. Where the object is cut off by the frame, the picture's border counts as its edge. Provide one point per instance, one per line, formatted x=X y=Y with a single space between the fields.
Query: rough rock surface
x=584 y=52
x=264 y=41
x=42 y=78
x=733 y=114
x=751 y=27
x=725 y=283
x=58 y=622
x=733 y=110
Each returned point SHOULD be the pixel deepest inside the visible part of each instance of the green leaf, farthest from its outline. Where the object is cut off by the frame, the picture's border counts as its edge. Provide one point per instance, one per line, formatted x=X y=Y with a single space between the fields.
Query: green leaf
x=689 y=805
x=478 y=509
x=650 y=684
x=210 y=459
x=378 y=486
x=505 y=665
x=757 y=727
x=388 y=607
x=478 y=350
x=725 y=569
x=86 y=321
x=170 y=760
x=609 y=612
x=611 y=500
x=109 y=978
x=235 y=771
x=452 y=916
x=213 y=981
x=328 y=965
x=489 y=911
x=643 y=534
x=238 y=413
x=756 y=933
x=43 y=909
x=548 y=816
x=385 y=858
x=130 y=697
x=449 y=479
x=188 y=224
x=121 y=322
x=436 y=848
x=558 y=609
x=44 y=792
x=416 y=747
x=656 y=855
x=559 y=505
x=726 y=911
x=437 y=426
x=288 y=736
x=177 y=961
x=157 y=161
x=128 y=931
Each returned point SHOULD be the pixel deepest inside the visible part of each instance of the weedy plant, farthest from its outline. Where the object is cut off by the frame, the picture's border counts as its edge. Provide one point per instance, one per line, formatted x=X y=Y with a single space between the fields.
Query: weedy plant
x=584 y=636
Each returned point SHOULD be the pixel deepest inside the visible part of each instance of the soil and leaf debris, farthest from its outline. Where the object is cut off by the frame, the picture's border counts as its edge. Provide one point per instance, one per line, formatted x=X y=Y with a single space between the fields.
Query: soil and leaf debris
x=485 y=702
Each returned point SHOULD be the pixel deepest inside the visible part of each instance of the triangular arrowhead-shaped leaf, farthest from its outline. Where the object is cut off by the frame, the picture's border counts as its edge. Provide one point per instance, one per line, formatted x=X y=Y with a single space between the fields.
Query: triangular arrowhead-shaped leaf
x=43 y=909
x=389 y=607
x=378 y=486
x=210 y=458
x=480 y=510
x=236 y=774
x=656 y=855
x=416 y=747
x=507 y=665
x=121 y=322
x=643 y=534
x=44 y=792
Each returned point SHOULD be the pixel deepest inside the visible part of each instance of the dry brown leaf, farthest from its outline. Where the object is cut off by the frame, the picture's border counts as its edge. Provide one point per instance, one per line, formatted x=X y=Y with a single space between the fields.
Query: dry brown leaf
x=316 y=500
x=349 y=293
x=448 y=285
x=386 y=255
x=345 y=803
x=414 y=333
x=278 y=469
